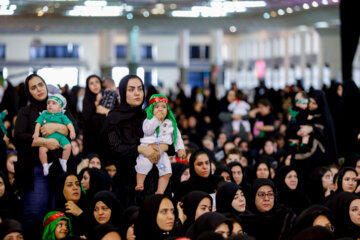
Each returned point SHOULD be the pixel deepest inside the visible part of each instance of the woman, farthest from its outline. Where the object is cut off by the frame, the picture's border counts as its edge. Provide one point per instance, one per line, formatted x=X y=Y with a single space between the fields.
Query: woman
x=345 y=207
x=156 y=219
x=230 y=199
x=316 y=215
x=106 y=208
x=319 y=185
x=353 y=161
x=201 y=178
x=180 y=173
x=121 y=138
x=94 y=116
x=194 y=205
x=322 y=145
x=262 y=169
x=56 y=226
x=68 y=200
x=240 y=177
x=346 y=181
x=269 y=219
x=211 y=221
x=9 y=204
x=11 y=229
x=28 y=169
x=290 y=192
x=224 y=173
x=128 y=222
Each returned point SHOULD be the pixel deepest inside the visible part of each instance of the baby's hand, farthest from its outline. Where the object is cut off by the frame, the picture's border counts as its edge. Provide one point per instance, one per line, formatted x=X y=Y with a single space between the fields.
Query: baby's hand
x=72 y=135
x=35 y=136
x=160 y=116
x=6 y=111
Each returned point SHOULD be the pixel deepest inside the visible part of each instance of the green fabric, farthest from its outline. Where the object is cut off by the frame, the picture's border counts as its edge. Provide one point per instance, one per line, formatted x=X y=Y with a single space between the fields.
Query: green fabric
x=293 y=115
x=49 y=230
x=47 y=117
x=2 y=125
x=149 y=112
x=56 y=99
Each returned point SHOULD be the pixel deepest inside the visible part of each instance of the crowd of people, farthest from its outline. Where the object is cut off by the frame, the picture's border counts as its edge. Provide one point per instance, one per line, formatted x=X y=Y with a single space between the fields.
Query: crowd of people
x=130 y=163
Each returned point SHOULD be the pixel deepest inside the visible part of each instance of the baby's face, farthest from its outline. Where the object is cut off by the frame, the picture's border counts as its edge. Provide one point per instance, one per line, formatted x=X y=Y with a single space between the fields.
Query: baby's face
x=53 y=107
x=160 y=107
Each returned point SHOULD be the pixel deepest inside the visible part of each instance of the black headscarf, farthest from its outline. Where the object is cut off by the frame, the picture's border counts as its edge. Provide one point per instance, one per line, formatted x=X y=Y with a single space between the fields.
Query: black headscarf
x=352 y=160
x=40 y=105
x=245 y=186
x=190 y=204
x=146 y=226
x=339 y=205
x=262 y=160
x=341 y=174
x=220 y=169
x=128 y=218
x=98 y=182
x=329 y=131
x=307 y=217
x=315 y=233
x=225 y=196
x=123 y=110
x=101 y=230
x=196 y=182
x=110 y=200
x=59 y=188
x=8 y=202
x=207 y=222
x=258 y=183
x=10 y=226
x=295 y=199
x=314 y=187
x=177 y=170
x=89 y=99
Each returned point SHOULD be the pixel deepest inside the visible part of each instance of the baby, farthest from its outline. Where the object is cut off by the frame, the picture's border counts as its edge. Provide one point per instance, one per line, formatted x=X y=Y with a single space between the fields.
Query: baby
x=298 y=115
x=109 y=97
x=55 y=114
x=160 y=127
x=240 y=107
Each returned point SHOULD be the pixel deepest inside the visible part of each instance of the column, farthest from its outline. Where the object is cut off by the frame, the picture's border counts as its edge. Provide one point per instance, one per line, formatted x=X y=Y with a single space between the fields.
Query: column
x=216 y=59
x=107 y=52
x=184 y=58
x=133 y=50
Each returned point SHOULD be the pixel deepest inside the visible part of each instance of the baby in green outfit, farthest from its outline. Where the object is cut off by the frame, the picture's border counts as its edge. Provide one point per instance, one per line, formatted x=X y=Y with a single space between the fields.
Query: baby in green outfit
x=55 y=114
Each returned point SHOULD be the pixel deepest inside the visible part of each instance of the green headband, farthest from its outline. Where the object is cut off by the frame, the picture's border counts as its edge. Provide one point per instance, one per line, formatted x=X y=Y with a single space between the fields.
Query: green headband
x=50 y=223
x=302 y=101
x=56 y=99
x=156 y=98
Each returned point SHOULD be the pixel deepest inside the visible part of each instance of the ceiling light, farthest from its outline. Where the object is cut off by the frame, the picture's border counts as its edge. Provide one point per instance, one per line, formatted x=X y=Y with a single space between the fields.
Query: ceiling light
x=273 y=14
x=315 y=4
x=106 y=11
x=281 y=12
x=129 y=16
x=161 y=11
x=335 y=1
x=302 y=28
x=289 y=10
x=325 y=2
x=155 y=11
x=90 y=3
x=266 y=15
x=45 y=9
x=4 y=2
x=185 y=14
x=159 y=5
x=232 y=29
x=173 y=6
x=297 y=8
x=321 y=25
x=40 y=13
x=129 y=8
x=306 y=6
x=146 y=13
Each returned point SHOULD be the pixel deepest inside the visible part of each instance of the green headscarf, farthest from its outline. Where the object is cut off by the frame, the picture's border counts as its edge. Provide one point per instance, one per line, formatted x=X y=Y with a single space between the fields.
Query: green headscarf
x=50 y=222
x=155 y=98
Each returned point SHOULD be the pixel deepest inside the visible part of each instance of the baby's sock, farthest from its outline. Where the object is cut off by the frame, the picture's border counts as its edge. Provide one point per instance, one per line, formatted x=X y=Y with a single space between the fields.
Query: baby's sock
x=63 y=164
x=46 y=169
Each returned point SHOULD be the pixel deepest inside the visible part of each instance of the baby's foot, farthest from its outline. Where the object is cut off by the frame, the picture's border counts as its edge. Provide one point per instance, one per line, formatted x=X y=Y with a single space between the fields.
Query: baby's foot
x=139 y=187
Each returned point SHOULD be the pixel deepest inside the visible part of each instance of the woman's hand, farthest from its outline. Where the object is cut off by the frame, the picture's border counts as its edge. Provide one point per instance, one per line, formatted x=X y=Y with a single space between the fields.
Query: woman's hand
x=71 y=207
x=51 y=144
x=102 y=110
x=181 y=214
x=48 y=129
x=304 y=130
x=151 y=152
